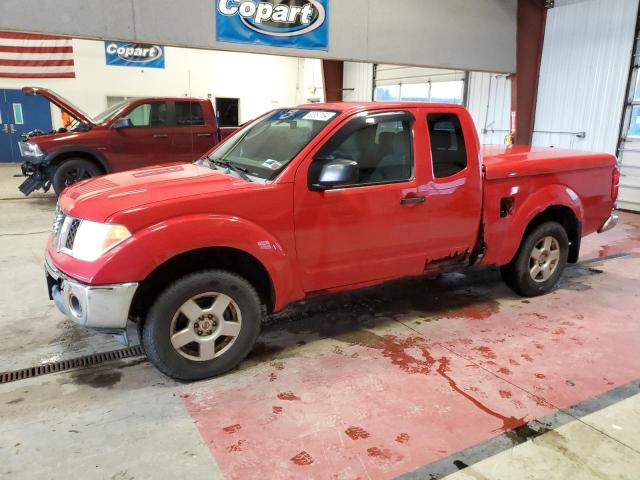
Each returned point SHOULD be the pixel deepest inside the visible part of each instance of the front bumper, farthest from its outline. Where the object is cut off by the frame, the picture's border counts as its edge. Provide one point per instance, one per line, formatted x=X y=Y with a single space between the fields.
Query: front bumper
x=37 y=177
x=101 y=307
x=611 y=222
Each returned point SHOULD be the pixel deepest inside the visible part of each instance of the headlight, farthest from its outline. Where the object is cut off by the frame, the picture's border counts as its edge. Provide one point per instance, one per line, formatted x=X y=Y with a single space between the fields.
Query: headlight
x=95 y=239
x=28 y=149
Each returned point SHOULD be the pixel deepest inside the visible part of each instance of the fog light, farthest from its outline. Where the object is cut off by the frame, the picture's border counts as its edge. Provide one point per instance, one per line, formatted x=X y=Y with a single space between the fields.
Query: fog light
x=75 y=306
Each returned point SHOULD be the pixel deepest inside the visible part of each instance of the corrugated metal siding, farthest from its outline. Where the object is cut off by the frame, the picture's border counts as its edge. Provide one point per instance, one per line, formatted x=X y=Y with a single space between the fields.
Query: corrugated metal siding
x=489 y=103
x=584 y=71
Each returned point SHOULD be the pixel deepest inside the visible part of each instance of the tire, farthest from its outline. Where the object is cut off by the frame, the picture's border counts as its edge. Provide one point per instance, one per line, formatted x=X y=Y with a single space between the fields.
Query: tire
x=529 y=277
x=200 y=332
x=71 y=171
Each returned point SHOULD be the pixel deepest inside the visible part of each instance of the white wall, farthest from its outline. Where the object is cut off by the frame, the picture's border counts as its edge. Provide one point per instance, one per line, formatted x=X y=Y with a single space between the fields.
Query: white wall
x=489 y=103
x=457 y=34
x=359 y=77
x=262 y=82
x=584 y=71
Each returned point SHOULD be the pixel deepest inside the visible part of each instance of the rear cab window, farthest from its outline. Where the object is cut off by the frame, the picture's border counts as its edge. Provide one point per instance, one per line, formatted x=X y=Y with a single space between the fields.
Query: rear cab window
x=189 y=114
x=448 y=149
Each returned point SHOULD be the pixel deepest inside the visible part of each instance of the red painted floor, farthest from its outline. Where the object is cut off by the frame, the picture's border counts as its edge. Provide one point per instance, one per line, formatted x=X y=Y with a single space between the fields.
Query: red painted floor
x=380 y=383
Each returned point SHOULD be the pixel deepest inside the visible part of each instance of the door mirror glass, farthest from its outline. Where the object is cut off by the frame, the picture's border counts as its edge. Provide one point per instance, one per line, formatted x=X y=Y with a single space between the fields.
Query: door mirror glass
x=122 y=123
x=337 y=173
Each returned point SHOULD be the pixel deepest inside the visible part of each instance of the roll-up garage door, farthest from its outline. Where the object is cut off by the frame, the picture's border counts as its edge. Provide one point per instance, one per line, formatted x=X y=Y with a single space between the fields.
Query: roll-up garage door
x=393 y=83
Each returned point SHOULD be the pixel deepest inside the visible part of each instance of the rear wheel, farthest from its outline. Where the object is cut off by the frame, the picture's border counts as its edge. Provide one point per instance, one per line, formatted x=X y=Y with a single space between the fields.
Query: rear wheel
x=203 y=325
x=539 y=262
x=71 y=171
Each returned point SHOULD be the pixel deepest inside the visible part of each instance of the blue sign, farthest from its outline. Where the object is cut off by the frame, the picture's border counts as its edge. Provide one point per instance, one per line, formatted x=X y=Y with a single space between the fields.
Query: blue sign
x=134 y=54
x=275 y=23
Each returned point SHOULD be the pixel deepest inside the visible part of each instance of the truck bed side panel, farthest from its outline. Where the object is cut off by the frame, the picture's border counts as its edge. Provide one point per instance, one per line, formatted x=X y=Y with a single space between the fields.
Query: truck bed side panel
x=586 y=192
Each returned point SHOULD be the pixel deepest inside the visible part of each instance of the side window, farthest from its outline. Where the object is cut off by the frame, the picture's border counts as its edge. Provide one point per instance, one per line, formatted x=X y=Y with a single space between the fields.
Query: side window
x=382 y=148
x=153 y=114
x=448 y=151
x=189 y=114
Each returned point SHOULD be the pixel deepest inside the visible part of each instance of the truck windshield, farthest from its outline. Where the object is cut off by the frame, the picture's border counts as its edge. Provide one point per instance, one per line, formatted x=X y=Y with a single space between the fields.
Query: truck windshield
x=264 y=148
x=110 y=112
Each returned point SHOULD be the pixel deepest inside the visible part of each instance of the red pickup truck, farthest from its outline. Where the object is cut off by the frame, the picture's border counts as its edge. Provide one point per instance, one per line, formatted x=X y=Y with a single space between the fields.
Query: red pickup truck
x=308 y=201
x=130 y=134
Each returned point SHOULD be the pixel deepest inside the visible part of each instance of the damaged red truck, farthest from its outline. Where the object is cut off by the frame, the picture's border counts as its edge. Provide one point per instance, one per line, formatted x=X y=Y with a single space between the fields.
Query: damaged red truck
x=130 y=134
x=308 y=201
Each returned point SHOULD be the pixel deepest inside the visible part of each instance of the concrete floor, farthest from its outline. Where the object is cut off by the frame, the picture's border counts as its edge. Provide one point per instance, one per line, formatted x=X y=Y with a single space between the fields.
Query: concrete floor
x=420 y=379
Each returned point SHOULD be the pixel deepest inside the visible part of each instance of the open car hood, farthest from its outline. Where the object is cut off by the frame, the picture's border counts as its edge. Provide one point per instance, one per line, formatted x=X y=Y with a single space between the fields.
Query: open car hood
x=60 y=102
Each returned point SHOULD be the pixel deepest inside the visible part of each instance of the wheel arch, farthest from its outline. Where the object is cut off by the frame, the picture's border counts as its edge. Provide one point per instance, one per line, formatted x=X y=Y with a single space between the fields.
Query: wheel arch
x=88 y=154
x=552 y=203
x=566 y=217
x=223 y=258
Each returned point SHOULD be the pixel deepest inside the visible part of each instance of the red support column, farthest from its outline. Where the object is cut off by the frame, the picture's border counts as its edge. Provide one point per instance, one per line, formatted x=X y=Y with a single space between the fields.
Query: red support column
x=532 y=17
x=332 y=77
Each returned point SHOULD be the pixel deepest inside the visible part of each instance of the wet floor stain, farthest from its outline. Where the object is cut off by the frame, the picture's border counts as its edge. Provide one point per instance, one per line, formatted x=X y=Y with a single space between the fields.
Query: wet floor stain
x=97 y=379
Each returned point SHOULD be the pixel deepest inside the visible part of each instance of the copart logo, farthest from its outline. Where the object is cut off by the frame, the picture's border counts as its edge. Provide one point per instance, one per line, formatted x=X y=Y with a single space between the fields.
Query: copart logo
x=284 y=18
x=135 y=52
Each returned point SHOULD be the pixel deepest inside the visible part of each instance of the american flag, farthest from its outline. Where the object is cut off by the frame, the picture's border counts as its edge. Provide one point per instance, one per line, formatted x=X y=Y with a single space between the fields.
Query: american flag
x=25 y=55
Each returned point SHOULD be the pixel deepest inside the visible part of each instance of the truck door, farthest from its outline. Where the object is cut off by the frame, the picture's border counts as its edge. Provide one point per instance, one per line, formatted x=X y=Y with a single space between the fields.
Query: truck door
x=193 y=136
x=377 y=228
x=452 y=185
x=148 y=141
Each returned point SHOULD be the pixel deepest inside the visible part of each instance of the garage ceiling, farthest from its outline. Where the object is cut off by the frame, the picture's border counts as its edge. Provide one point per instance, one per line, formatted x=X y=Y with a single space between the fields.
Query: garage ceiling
x=456 y=34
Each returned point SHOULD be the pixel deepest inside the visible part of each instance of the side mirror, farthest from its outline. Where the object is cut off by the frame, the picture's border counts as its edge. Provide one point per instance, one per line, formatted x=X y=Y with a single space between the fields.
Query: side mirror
x=122 y=123
x=337 y=173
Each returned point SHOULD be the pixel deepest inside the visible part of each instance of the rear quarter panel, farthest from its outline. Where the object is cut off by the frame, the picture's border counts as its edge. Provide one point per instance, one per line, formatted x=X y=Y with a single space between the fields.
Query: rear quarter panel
x=586 y=192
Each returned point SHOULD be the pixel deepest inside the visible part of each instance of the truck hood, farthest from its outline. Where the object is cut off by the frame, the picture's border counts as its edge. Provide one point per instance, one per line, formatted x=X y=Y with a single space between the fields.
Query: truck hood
x=60 y=102
x=99 y=198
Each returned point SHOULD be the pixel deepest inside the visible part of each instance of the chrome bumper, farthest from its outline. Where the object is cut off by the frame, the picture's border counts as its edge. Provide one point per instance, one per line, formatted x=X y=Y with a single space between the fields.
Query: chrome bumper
x=611 y=222
x=103 y=307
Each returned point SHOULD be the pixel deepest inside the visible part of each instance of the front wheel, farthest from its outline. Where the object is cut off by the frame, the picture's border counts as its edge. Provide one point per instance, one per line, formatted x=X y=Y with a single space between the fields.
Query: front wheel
x=203 y=325
x=71 y=171
x=540 y=261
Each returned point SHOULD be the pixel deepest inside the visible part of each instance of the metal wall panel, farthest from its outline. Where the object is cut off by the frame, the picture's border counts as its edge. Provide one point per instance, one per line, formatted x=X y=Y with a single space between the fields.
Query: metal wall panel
x=583 y=75
x=459 y=34
x=489 y=103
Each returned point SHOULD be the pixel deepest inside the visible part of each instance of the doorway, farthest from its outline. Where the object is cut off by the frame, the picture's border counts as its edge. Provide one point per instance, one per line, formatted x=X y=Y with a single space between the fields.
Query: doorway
x=20 y=114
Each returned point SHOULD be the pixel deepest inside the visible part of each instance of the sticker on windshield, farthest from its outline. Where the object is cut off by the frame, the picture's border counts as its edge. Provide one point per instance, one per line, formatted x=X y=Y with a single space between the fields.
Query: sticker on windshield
x=319 y=115
x=272 y=164
x=283 y=115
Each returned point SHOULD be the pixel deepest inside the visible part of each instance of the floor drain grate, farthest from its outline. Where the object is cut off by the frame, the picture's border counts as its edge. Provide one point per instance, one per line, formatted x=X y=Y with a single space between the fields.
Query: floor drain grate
x=71 y=364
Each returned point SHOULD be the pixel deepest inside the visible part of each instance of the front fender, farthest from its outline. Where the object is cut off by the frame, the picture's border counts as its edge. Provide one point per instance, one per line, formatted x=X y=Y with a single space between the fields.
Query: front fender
x=135 y=259
x=503 y=236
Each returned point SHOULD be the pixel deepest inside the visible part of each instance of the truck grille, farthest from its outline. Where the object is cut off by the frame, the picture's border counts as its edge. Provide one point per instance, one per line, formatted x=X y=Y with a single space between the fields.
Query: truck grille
x=65 y=229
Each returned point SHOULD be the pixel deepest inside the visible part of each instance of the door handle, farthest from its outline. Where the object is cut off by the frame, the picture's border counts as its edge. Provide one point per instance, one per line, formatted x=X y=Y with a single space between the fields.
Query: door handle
x=161 y=135
x=5 y=128
x=412 y=200
x=204 y=135
x=12 y=129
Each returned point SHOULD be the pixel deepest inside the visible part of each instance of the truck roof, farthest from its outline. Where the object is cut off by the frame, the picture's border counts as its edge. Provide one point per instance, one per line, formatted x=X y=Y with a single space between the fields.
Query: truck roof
x=355 y=106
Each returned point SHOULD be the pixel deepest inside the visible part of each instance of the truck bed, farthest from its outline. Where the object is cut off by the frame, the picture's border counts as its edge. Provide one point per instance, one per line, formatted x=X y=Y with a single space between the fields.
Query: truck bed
x=503 y=161
x=530 y=179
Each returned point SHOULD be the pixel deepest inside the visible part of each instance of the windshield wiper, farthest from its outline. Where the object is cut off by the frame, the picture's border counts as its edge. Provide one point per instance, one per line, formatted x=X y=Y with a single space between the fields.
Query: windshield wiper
x=241 y=171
